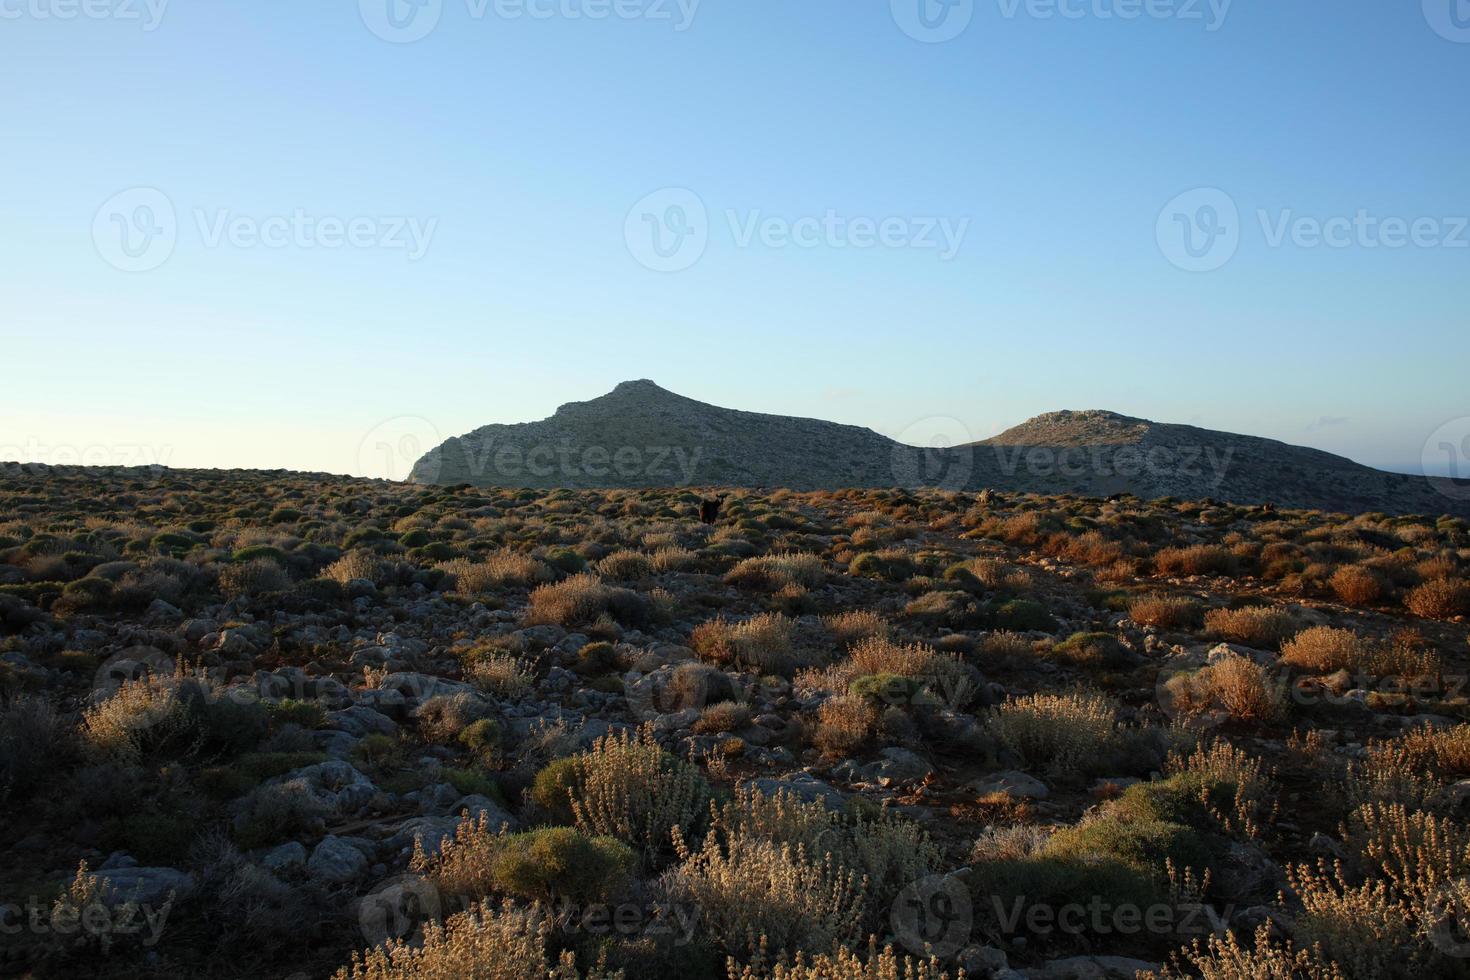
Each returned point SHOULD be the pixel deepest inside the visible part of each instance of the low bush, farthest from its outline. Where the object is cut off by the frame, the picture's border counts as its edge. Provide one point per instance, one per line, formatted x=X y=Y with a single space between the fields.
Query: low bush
x=1254 y=626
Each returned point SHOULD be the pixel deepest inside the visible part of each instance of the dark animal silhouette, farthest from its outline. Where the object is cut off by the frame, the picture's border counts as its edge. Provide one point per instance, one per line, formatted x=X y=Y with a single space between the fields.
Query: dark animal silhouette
x=709 y=510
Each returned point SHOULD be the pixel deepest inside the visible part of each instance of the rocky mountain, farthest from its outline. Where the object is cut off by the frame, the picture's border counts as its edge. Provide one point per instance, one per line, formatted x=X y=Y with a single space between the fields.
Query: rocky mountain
x=642 y=435
x=1101 y=453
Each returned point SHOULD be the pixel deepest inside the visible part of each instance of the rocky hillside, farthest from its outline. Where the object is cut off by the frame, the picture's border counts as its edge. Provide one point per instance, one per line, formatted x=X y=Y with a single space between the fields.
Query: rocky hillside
x=641 y=435
x=1100 y=452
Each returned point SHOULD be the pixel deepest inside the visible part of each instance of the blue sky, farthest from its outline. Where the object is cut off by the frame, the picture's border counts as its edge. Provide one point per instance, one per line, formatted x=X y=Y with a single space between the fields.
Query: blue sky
x=497 y=173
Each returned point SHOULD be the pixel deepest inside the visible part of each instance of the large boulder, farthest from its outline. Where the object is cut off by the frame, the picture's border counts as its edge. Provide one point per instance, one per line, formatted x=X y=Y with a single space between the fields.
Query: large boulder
x=336 y=861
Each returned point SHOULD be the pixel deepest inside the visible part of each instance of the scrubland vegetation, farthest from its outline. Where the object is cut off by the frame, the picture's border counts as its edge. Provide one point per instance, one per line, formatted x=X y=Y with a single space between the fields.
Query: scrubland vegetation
x=277 y=725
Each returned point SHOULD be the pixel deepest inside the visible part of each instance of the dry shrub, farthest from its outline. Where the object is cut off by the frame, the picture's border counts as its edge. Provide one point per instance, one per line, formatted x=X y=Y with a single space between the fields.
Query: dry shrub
x=771 y=572
x=442 y=717
x=1418 y=853
x=1000 y=576
x=356 y=564
x=1355 y=585
x=1227 y=958
x=625 y=566
x=844 y=724
x=761 y=643
x=545 y=864
x=943 y=675
x=1326 y=649
x=500 y=674
x=1058 y=732
x=1165 y=612
x=34 y=740
x=497 y=570
x=749 y=890
x=1440 y=598
x=889 y=851
x=482 y=943
x=725 y=716
x=672 y=559
x=1089 y=548
x=258 y=576
x=841 y=964
x=579 y=600
x=627 y=787
x=1365 y=927
x=1004 y=644
x=1398 y=771
x=1198 y=559
x=150 y=710
x=1445 y=750
x=1234 y=685
x=849 y=627
x=1254 y=626
x=1222 y=767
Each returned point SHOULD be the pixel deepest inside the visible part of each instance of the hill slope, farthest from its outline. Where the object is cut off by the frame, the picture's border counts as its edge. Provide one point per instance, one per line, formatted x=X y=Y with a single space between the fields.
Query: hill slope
x=641 y=435
x=1116 y=454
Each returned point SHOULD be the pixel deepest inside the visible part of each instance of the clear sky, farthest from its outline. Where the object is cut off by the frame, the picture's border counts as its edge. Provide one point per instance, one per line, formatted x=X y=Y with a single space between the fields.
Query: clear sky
x=262 y=234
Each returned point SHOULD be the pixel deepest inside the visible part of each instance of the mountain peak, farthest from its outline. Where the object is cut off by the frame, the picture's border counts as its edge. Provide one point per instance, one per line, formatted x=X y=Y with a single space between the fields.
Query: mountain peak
x=639 y=386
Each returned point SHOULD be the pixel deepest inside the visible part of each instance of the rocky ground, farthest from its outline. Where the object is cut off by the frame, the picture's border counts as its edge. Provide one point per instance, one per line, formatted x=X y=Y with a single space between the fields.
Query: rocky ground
x=261 y=724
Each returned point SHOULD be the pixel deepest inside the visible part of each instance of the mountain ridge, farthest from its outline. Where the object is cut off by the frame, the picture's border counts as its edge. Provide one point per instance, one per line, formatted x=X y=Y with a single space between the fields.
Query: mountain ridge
x=640 y=434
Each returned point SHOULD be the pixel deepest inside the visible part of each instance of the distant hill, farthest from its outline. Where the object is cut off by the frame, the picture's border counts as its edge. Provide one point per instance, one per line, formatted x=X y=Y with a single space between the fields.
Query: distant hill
x=1157 y=459
x=642 y=435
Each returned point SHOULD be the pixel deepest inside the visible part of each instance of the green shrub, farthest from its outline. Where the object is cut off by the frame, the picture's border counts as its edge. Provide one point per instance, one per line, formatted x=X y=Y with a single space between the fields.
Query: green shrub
x=1092 y=650
x=256 y=551
x=597 y=657
x=471 y=782
x=553 y=788
x=481 y=737
x=1024 y=614
x=560 y=863
x=291 y=711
